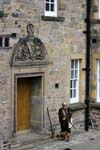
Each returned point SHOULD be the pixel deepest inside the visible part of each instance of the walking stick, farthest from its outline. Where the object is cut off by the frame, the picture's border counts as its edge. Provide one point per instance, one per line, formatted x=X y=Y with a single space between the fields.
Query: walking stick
x=52 y=130
x=68 y=119
x=72 y=125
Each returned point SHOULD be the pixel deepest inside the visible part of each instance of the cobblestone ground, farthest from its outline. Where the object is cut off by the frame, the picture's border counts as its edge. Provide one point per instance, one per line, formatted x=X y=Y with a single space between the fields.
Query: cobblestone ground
x=83 y=141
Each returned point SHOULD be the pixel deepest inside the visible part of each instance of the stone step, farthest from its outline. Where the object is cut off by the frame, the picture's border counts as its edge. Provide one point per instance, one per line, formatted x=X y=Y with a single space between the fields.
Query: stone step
x=21 y=147
x=28 y=144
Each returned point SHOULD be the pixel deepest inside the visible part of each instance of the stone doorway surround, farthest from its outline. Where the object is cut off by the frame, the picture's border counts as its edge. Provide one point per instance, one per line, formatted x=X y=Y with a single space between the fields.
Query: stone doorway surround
x=29 y=59
x=14 y=116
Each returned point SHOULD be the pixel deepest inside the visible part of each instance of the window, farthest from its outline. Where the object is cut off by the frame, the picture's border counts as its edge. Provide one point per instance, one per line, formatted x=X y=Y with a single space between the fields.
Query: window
x=99 y=10
x=4 y=41
x=50 y=8
x=95 y=10
x=74 y=81
x=98 y=81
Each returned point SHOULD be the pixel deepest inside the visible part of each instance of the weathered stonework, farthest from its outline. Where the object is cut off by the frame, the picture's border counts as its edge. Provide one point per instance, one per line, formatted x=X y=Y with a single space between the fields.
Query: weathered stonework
x=95 y=118
x=63 y=41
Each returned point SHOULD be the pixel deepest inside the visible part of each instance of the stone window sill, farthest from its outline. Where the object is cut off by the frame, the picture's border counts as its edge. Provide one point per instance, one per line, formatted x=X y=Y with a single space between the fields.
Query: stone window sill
x=97 y=21
x=77 y=106
x=95 y=105
x=4 y=48
x=58 y=19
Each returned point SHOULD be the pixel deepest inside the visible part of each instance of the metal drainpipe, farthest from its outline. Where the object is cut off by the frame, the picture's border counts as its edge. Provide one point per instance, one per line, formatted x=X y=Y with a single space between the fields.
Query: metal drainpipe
x=87 y=69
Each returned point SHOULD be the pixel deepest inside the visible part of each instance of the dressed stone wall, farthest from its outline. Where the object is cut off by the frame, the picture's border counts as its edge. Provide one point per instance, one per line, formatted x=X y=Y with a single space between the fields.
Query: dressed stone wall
x=63 y=40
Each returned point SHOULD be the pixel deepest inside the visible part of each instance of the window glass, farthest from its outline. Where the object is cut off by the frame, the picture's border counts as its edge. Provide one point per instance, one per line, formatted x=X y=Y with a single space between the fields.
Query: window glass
x=1 y=40
x=47 y=6
x=52 y=7
x=6 y=42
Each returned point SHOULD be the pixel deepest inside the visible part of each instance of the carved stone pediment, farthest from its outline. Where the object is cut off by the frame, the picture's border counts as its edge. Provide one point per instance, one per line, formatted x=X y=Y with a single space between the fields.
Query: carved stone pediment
x=29 y=50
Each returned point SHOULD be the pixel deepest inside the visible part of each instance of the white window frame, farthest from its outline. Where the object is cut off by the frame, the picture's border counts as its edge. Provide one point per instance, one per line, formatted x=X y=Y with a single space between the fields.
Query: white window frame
x=98 y=80
x=50 y=13
x=99 y=9
x=3 y=42
x=74 y=79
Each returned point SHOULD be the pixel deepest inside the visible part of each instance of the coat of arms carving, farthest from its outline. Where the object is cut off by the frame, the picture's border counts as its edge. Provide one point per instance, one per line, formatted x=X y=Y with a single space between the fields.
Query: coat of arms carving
x=29 y=50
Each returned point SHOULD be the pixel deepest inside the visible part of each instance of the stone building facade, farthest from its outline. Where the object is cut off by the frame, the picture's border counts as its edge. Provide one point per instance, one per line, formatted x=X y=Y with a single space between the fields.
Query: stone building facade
x=42 y=56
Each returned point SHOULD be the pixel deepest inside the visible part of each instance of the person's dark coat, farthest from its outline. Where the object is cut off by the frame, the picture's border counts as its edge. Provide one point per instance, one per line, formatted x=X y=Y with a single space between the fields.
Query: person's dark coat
x=63 y=119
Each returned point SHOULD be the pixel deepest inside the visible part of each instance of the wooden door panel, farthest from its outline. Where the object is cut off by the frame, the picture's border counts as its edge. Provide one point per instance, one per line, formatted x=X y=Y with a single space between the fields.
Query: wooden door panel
x=23 y=104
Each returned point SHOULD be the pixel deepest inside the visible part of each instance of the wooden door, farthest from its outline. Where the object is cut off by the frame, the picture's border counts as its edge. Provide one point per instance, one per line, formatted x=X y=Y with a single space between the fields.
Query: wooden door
x=23 y=104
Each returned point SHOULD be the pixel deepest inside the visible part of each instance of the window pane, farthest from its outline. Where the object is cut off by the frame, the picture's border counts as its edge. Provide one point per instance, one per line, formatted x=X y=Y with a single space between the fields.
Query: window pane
x=70 y=93
x=72 y=64
x=72 y=74
x=98 y=64
x=52 y=7
x=76 y=74
x=74 y=93
x=52 y=0
x=76 y=64
x=47 y=6
x=74 y=84
x=99 y=74
x=47 y=0
x=6 y=42
x=71 y=84
x=1 y=40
